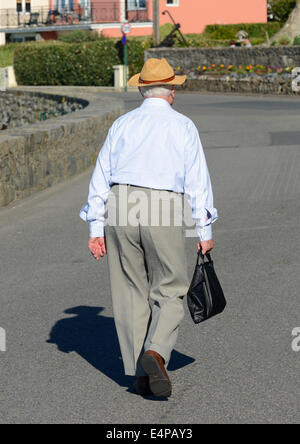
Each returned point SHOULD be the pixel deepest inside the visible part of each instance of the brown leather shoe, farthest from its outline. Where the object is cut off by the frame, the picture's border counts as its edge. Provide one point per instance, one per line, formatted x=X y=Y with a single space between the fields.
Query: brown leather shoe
x=141 y=386
x=159 y=381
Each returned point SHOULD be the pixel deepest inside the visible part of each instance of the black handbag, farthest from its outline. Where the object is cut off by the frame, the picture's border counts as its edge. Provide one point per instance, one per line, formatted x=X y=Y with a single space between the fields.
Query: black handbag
x=205 y=297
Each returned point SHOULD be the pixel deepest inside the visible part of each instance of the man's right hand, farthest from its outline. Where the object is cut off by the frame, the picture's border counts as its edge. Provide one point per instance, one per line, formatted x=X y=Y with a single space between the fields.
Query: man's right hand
x=206 y=246
x=97 y=247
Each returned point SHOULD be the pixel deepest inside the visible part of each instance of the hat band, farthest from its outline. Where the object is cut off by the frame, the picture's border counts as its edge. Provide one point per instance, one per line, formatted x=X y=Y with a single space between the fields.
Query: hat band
x=148 y=82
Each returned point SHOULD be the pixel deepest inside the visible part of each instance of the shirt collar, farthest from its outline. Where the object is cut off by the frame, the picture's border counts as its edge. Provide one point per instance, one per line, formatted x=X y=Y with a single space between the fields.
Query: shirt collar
x=155 y=101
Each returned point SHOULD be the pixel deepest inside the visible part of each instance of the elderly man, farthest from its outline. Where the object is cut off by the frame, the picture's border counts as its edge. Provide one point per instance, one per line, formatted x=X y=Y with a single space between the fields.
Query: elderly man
x=150 y=153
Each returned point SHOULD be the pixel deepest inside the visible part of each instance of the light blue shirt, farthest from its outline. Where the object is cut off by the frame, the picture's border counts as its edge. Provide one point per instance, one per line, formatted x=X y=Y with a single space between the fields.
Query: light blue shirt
x=152 y=146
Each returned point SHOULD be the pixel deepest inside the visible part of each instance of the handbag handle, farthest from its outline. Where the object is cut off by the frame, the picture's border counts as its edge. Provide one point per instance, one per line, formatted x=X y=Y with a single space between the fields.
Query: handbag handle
x=201 y=257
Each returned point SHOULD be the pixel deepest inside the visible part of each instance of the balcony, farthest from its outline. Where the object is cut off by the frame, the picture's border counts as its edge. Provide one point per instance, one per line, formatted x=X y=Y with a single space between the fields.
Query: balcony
x=43 y=19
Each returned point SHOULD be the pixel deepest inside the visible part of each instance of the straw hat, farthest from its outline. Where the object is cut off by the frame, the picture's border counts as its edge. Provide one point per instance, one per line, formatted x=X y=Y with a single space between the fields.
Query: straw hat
x=156 y=72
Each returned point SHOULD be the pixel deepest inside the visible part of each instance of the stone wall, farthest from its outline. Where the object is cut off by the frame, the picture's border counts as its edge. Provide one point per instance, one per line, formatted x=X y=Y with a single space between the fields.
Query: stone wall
x=36 y=156
x=191 y=58
x=248 y=85
x=19 y=108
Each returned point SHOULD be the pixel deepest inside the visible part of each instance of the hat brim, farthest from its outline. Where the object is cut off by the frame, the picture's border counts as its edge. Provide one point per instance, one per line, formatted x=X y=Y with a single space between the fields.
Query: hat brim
x=135 y=81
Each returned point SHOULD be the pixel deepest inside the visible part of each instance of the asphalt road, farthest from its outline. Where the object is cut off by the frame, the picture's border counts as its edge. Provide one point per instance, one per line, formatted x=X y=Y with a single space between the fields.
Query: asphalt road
x=237 y=368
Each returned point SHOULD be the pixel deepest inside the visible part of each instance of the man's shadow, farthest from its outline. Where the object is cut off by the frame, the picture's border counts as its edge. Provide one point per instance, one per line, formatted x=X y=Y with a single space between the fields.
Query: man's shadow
x=94 y=338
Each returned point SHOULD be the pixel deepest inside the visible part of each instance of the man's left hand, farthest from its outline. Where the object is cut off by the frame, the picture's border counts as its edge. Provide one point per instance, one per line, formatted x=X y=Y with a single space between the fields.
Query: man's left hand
x=97 y=247
x=206 y=246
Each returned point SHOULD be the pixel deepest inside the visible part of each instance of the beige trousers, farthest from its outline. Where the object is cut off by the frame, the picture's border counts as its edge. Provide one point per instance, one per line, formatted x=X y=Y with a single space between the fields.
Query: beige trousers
x=148 y=277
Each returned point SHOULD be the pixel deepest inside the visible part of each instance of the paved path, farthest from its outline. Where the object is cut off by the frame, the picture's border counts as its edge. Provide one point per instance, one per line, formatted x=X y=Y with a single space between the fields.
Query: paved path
x=239 y=368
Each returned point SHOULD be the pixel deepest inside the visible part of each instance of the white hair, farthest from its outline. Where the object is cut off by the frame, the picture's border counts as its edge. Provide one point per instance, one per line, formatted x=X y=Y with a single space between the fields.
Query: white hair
x=156 y=91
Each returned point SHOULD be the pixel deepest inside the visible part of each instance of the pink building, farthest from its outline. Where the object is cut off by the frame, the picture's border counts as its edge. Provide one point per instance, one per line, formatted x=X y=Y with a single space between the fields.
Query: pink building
x=106 y=16
x=193 y=15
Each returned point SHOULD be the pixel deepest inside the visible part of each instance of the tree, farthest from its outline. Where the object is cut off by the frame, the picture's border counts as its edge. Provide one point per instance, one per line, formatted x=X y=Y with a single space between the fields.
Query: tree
x=280 y=10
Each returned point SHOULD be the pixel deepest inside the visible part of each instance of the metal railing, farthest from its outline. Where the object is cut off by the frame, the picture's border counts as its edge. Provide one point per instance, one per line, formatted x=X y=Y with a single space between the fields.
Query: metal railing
x=138 y=15
x=104 y=12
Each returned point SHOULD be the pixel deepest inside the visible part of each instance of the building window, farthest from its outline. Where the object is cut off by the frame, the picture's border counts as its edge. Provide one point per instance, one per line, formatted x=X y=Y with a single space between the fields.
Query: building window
x=19 y=6
x=172 y=2
x=61 y=5
x=133 y=5
x=23 y=5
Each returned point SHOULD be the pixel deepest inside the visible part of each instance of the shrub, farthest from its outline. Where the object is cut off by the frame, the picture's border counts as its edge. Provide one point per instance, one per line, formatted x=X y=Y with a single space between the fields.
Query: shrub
x=284 y=40
x=281 y=9
x=297 y=40
x=57 y=63
x=257 y=41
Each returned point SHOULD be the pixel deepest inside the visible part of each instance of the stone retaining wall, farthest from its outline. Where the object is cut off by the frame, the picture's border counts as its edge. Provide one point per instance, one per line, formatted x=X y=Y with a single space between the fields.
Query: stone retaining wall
x=34 y=157
x=191 y=58
x=19 y=108
x=242 y=85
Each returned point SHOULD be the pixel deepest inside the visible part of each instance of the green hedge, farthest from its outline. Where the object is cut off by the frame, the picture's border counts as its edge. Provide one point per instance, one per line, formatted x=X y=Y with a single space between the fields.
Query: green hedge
x=7 y=54
x=85 y=64
x=56 y=63
x=136 y=49
x=255 y=30
x=79 y=36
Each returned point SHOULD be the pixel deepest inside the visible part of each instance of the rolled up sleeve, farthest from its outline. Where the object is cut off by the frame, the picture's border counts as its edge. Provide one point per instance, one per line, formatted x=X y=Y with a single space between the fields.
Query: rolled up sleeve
x=198 y=184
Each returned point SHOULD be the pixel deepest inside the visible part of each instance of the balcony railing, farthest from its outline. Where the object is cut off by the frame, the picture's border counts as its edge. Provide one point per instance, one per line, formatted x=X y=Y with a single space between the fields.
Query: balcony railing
x=109 y=12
